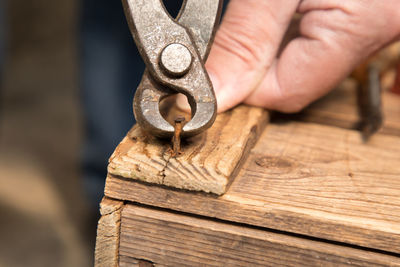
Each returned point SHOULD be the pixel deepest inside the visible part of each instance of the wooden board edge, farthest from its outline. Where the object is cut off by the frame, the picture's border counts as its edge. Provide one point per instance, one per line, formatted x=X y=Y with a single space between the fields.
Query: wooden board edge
x=170 y=230
x=206 y=163
x=108 y=233
x=254 y=136
x=282 y=220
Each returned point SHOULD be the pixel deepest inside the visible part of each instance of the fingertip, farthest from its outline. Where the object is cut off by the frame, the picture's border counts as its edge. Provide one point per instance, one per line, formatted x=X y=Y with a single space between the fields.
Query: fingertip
x=226 y=99
x=220 y=94
x=182 y=103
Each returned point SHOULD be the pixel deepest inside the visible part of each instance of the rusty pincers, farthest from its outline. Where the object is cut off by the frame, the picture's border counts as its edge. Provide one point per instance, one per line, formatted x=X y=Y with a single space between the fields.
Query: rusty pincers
x=174 y=51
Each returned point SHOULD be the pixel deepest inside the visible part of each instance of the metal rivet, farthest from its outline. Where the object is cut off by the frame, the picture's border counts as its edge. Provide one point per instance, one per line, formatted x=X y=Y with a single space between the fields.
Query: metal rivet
x=176 y=59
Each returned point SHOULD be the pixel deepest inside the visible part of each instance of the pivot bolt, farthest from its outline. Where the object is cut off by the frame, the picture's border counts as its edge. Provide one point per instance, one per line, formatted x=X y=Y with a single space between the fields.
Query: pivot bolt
x=176 y=60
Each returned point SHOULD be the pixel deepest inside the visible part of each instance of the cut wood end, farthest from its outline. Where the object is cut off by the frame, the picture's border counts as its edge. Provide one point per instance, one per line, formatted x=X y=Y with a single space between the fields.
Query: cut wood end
x=108 y=231
x=108 y=206
x=207 y=161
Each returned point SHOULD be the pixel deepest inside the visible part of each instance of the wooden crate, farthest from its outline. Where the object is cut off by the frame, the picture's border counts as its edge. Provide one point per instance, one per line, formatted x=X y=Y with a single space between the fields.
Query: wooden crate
x=305 y=194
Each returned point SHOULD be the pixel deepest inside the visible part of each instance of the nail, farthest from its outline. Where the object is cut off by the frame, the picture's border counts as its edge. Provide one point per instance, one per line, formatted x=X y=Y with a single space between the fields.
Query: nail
x=176 y=139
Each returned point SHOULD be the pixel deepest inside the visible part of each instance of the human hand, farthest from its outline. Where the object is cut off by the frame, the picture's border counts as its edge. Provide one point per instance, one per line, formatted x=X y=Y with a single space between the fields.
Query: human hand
x=335 y=36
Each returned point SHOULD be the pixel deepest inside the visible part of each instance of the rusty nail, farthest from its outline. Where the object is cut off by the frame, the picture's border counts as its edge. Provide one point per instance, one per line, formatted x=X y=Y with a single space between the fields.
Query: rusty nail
x=176 y=139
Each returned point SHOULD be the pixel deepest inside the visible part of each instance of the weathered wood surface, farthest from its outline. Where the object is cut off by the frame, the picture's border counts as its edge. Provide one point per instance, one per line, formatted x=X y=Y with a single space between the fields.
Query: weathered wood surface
x=132 y=262
x=302 y=178
x=108 y=230
x=339 y=108
x=208 y=161
x=170 y=239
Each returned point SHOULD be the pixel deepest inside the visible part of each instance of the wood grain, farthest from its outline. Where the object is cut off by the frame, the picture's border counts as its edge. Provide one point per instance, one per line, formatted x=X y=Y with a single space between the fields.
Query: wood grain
x=208 y=161
x=302 y=178
x=107 y=240
x=339 y=108
x=179 y=240
x=132 y=262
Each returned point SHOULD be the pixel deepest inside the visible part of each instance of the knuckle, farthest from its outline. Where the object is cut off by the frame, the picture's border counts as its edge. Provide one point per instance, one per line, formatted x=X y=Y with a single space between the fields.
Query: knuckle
x=238 y=46
x=243 y=41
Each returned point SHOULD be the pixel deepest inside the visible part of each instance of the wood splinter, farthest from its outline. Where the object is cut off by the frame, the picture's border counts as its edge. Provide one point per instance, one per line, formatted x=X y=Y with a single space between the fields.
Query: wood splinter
x=176 y=139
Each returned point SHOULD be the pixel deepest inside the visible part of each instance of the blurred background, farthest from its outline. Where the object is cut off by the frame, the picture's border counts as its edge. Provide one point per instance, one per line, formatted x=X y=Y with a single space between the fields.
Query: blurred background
x=68 y=71
x=44 y=211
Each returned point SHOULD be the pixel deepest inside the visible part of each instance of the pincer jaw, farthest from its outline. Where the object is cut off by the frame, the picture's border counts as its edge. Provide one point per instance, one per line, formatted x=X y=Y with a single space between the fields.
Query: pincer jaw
x=203 y=118
x=149 y=118
x=174 y=52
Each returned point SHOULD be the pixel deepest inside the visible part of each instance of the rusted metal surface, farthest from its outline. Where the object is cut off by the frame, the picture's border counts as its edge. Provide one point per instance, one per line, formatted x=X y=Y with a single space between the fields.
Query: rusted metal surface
x=370 y=103
x=176 y=139
x=174 y=52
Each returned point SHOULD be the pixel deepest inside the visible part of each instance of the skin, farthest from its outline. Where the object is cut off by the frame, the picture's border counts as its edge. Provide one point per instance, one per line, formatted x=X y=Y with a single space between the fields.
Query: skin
x=335 y=36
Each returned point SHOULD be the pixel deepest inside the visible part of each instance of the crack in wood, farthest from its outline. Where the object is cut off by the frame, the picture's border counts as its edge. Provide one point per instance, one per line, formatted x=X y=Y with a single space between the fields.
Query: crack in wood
x=162 y=173
x=208 y=161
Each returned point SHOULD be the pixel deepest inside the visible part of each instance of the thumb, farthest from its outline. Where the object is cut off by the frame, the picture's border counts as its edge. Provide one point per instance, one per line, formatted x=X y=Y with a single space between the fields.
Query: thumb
x=245 y=47
x=335 y=37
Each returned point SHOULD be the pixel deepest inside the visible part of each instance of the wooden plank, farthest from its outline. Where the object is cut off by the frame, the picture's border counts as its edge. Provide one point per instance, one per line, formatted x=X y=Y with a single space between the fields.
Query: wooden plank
x=132 y=262
x=339 y=108
x=302 y=178
x=180 y=240
x=107 y=240
x=208 y=161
